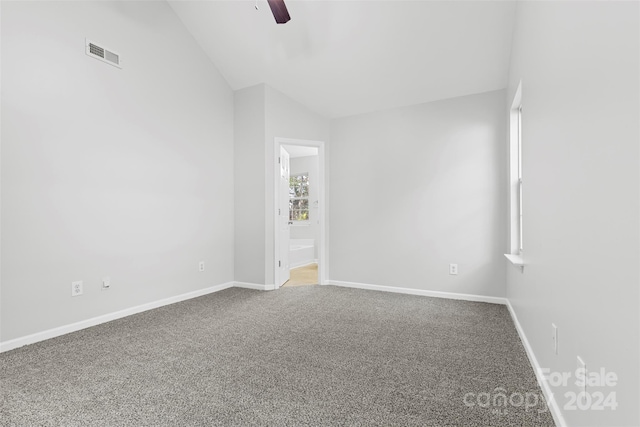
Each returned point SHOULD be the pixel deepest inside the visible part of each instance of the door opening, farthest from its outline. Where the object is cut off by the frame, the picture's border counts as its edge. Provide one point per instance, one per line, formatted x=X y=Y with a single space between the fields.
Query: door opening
x=299 y=200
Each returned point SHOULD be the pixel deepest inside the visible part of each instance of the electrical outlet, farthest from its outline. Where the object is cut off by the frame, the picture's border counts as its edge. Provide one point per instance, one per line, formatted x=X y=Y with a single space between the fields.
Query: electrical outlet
x=76 y=288
x=106 y=283
x=453 y=269
x=554 y=336
x=201 y=266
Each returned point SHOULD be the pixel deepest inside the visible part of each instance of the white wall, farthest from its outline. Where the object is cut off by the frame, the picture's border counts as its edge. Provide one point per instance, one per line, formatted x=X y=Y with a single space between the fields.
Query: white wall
x=578 y=62
x=285 y=118
x=262 y=114
x=310 y=230
x=126 y=173
x=417 y=188
x=248 y=176
x=0 y=172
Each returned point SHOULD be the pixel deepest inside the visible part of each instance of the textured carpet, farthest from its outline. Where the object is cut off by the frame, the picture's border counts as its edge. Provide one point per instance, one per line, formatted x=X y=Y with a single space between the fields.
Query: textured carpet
x=303 y=276
x=310 y=355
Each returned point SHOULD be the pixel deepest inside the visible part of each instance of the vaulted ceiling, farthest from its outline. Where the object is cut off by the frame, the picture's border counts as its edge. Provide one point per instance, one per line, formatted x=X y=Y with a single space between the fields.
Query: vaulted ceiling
x=341 y=58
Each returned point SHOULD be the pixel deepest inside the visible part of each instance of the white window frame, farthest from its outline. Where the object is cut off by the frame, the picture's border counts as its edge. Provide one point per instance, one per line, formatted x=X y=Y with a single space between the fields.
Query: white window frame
x=516 y=180
x=301 y=221
x=519 y=180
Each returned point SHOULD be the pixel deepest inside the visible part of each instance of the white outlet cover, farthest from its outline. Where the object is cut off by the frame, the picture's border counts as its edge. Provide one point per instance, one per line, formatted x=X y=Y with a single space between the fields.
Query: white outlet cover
x=453 y=269
x=201 y=266
x=76 y=288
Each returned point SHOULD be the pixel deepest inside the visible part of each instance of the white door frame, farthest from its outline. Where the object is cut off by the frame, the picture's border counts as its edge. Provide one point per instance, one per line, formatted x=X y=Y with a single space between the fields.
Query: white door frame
x=322 y=214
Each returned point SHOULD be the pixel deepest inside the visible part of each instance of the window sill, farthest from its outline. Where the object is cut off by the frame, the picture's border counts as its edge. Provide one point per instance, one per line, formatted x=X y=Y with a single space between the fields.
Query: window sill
x=301 y=224
x=515 y=260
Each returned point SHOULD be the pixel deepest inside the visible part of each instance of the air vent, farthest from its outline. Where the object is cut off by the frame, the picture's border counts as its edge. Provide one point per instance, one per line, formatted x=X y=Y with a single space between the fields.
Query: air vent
x=102 y=53
x=96 y=50
x=111 y=57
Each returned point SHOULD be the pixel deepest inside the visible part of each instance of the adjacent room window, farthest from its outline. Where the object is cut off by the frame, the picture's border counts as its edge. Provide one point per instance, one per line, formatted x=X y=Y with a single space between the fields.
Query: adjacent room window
x=517 y=229
x=299 y=197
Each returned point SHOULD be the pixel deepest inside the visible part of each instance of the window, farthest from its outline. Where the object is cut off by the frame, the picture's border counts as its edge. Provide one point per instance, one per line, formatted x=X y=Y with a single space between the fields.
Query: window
x=515 y=159
x=519 y=179
x=299 y=197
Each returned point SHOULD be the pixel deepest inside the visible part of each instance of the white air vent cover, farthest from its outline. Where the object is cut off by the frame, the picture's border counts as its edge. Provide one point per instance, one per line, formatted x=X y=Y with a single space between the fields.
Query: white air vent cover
x=97 y=51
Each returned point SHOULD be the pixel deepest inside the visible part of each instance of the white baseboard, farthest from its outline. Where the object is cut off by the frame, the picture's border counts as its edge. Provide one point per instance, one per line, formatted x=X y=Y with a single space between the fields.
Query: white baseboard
x=422 y=292
x=256 y=286
x=542 y=381
x=73 y=327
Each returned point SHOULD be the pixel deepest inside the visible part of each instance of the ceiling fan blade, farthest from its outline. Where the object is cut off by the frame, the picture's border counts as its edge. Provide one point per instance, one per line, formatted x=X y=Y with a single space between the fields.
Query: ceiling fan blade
x=279 y=10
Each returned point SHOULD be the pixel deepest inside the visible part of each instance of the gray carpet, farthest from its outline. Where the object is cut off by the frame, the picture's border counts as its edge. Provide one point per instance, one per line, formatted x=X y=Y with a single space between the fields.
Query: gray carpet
x=316 y=355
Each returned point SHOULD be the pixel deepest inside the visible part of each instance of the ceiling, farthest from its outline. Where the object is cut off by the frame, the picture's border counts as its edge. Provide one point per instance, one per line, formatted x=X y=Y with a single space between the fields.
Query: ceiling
x=296 y=151
x=342 y=58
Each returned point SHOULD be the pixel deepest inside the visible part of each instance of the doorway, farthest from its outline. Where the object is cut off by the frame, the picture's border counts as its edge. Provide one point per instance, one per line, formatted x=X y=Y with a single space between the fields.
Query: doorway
x=300 y=214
